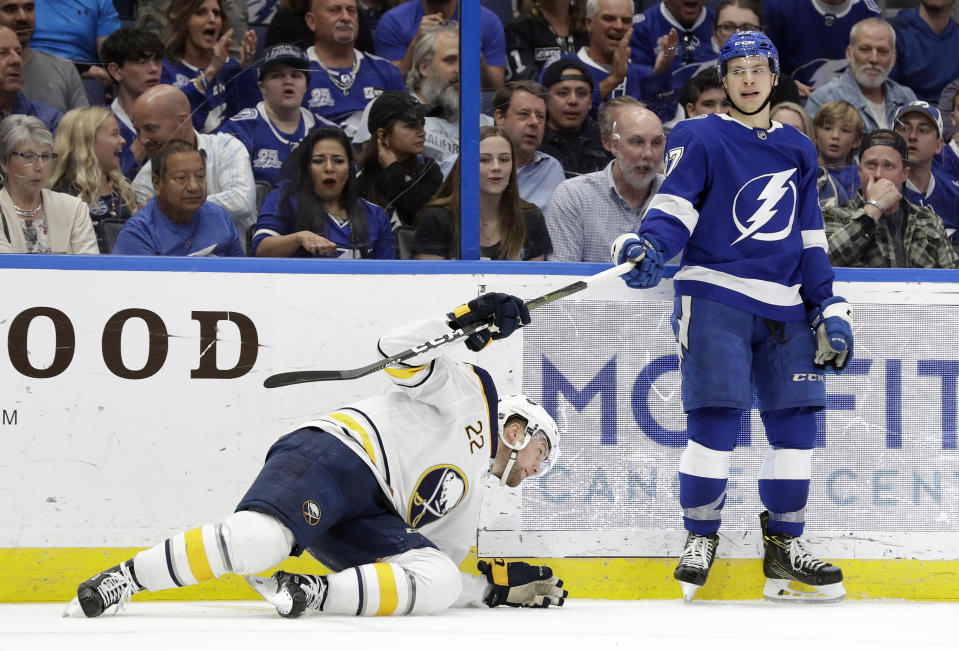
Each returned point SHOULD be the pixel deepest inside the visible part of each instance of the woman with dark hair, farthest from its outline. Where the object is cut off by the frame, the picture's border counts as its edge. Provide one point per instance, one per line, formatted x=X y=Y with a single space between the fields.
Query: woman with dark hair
x=510 y=228
x=544 y=32
x=198 y=63
x=317 y=210
x=395 y=175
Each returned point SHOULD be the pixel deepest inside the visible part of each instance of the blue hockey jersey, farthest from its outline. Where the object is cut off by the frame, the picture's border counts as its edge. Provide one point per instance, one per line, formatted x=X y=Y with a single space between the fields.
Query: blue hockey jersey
x=742 y=205
x=925 y=61
x=695 y=45
x=942 y=196
x=232 y=90
x=268 y=146
x=811 y=37
x=947 y=161
x=654 y=91
x=341 y=94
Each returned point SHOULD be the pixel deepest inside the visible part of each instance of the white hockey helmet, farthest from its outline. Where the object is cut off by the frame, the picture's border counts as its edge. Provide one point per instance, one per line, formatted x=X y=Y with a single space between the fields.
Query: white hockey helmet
x=538 y=423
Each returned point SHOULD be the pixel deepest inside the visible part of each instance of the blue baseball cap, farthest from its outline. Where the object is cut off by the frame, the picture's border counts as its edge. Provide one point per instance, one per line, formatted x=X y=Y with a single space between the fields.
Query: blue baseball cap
x=284 y=55
x=926 y=109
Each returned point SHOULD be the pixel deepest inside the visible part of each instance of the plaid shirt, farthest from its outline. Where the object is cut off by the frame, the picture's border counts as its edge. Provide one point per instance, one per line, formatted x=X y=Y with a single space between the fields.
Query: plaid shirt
x=856 y=240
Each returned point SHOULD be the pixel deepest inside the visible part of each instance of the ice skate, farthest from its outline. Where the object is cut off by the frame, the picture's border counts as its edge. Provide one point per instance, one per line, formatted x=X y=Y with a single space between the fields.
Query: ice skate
x=291 y=594
x=694 y=563
x=793 y=574
x=112 y=587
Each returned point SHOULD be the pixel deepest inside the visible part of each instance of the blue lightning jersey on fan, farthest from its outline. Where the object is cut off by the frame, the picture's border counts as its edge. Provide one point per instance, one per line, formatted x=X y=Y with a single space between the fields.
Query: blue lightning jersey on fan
x=812 y=38
x=942 y=196
x=344 y=99
x=695 y=44
x=947 y=161
x=233 y=89
x=742 y=204
x=653 y=90
x=268 y=146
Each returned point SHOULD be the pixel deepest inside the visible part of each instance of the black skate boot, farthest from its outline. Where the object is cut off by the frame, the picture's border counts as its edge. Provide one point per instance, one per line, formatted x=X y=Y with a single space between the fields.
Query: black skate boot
x=112 y=587
x=793 y=574
x=694 y=563
x=291 y=594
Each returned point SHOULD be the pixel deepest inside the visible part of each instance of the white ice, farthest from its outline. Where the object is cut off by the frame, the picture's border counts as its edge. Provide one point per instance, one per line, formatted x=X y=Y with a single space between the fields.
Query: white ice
x=583 y=625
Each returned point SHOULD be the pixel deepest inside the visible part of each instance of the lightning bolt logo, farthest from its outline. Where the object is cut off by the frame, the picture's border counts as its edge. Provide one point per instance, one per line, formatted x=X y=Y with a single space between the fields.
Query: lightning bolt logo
x=777 y=186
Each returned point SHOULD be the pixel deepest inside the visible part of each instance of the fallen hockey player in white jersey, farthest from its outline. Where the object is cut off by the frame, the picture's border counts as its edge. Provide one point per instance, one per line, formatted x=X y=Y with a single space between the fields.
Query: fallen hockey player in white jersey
x=385 y=492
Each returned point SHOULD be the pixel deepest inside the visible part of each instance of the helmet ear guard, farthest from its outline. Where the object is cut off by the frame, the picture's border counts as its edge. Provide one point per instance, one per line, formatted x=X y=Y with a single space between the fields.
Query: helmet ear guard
x=538 y=422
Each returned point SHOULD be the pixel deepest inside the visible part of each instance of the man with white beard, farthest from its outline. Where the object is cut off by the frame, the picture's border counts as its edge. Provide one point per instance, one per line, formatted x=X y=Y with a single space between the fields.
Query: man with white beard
x=865 y=83
x=588 y=212
x=434 y=79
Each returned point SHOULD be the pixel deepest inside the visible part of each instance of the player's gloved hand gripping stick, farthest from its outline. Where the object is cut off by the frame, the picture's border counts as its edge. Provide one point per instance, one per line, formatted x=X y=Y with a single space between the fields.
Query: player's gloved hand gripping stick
x=520 y=584
x=465 y=330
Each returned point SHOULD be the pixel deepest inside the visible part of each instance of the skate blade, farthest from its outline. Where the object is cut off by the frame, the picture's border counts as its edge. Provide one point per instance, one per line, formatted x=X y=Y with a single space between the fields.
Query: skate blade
x=266 y=587
x=689 y=590
x=73 y=609
x=787 y=591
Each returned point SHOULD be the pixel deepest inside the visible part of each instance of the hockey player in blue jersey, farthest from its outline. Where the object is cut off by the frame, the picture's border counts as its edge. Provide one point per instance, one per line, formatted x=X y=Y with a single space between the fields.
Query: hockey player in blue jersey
x=754 y=312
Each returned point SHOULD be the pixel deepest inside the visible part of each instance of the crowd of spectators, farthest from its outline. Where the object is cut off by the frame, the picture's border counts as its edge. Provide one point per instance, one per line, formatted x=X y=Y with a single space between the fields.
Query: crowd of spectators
x=330 y=128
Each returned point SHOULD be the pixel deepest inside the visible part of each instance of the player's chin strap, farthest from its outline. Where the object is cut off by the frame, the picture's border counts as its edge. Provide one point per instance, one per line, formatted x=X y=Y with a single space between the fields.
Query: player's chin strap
x=769 y=98
x=512 y=455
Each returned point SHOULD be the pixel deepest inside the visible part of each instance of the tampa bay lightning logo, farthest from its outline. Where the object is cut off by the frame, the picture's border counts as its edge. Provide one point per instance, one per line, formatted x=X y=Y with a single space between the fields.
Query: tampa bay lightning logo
x=765 y=207
x=438 y=491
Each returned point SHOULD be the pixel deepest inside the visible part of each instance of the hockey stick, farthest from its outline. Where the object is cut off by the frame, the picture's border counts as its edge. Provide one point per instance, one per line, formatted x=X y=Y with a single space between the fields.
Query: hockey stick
x=299 y=377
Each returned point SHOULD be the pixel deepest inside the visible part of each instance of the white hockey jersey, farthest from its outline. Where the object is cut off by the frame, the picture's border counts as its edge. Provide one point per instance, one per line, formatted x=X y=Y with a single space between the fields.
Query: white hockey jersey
x=428 y=440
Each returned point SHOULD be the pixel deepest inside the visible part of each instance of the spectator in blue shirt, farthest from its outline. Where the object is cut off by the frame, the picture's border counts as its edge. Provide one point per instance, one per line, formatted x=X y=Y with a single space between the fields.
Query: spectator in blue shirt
x=401 y=27
x=12 y=99
x=317 y=211
x=75 y=30
x=179 y=220
x=926 y=43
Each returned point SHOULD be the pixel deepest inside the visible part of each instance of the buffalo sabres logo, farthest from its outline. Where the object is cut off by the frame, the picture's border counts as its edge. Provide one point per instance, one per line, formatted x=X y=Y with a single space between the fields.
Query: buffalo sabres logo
x=764 y=204
x=438 y=491
x=311 y=513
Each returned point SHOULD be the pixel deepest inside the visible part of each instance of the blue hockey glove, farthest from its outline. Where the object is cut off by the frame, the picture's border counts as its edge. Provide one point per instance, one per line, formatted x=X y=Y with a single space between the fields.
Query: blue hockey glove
x=832 y=323
x=504 y=313
x=649 y=269
x=520 y=584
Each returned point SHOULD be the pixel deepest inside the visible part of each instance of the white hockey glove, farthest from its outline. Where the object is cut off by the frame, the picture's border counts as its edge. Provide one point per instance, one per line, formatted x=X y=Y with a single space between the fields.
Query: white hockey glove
x=520 y=584
x=832 y=323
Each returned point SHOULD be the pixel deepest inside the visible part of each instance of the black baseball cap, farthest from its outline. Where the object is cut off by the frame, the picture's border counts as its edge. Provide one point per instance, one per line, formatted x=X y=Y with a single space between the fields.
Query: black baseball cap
x=284 y=55
x=887 y=138
x=397 y=105
x=563 y=70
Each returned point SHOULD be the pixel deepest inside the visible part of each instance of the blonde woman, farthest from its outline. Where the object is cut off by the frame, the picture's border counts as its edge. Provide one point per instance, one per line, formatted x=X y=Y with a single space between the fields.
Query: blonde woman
x=88 y=145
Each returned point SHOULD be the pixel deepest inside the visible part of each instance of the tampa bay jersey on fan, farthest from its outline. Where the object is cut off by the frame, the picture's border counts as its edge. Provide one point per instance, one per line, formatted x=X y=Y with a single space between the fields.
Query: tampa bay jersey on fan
x=759 y=245
x=340 y=94
x=695 y=44
x=268 y=146
x=812 y=36
x=429 y=441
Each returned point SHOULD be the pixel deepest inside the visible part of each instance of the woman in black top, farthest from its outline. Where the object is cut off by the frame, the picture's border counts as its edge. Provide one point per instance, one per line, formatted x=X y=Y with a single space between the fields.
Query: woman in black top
x=510 y=228
x=394 y=174
x=545 y=31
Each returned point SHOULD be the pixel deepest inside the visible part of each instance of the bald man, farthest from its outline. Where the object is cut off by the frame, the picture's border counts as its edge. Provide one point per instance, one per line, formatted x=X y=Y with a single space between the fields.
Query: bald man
x=12 y=99
x=162 y=113
x=589 y=211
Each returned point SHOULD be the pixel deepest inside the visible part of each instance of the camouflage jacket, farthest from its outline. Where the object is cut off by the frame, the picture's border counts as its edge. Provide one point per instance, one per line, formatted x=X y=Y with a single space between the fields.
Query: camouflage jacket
x=856 y=240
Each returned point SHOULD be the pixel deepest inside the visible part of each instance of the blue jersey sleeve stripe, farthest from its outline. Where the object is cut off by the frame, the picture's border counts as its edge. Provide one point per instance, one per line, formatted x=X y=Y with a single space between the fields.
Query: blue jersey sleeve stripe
x=761 y=290
x=814 y=238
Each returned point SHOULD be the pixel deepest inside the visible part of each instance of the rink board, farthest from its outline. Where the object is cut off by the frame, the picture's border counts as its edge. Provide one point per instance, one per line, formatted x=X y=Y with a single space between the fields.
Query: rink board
x=153 y=419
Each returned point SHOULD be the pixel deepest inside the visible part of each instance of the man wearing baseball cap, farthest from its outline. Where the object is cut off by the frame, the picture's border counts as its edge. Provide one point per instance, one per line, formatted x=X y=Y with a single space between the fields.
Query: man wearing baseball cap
x=880 y=228
x=920 y=125
x=572 y=137
x=272 y=128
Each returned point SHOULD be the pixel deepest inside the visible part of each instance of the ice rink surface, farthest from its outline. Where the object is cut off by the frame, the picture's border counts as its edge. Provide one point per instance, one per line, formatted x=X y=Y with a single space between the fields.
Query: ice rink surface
x=584 y=625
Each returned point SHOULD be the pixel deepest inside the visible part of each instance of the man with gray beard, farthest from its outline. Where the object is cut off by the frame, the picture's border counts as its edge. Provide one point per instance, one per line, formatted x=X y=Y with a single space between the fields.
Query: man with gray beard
x=865 y=84
x=586 y=212
x=434 y=79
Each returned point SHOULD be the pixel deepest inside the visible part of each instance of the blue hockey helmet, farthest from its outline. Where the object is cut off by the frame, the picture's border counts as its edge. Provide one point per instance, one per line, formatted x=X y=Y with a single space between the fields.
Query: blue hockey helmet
x=748 y=44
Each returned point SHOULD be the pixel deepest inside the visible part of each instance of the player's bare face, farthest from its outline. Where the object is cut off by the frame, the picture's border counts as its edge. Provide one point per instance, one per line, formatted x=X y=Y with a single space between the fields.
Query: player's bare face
x=283 y=87
x=871 y=56
x=529 y=461
x=882 y=162
x=921 y=135
x=569 y=103
x=407 y=138
x=334 y=20
x=748 y=81
x=330 y=169
x=495 y=163
x=835 y=142
x=609 y=26
x=525 y=122
x=204 y=26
